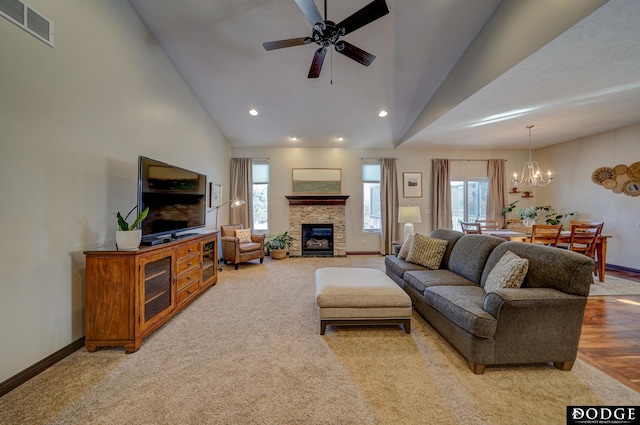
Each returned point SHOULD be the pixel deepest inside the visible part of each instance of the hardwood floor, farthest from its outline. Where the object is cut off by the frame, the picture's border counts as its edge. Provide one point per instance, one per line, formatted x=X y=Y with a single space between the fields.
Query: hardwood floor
x=610 y=339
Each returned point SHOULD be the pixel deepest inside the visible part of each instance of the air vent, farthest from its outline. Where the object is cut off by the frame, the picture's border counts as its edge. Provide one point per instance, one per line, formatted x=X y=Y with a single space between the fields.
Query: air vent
x=28 y=19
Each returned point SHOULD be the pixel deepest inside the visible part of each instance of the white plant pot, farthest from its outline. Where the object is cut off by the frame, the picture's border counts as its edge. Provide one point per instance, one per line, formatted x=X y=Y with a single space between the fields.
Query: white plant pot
x=528 y=222
x=128 y=240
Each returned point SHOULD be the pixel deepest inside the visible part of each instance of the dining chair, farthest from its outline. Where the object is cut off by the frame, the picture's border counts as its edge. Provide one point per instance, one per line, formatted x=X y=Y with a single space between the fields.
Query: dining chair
x=584 y=238
x=489 y=224
x=471 y=228
x=546 y=234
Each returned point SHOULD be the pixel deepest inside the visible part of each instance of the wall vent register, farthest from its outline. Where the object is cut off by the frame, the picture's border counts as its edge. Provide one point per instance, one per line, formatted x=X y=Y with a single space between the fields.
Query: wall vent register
x=28 y=19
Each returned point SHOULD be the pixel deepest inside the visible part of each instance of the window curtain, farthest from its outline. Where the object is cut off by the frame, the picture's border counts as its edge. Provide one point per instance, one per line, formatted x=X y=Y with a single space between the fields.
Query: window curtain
x=389 y=204
x=497 y=191
x=241 y=184
x=441 y=194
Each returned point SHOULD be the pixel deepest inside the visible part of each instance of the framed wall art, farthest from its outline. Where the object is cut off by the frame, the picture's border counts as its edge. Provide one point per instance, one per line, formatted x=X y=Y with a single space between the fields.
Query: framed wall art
x=412 y=185
x=214 y=194
x=317 y=180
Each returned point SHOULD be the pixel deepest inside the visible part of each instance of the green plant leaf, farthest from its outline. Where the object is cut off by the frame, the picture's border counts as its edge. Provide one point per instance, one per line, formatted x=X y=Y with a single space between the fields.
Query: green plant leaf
x=141 y=217
x=122 y=225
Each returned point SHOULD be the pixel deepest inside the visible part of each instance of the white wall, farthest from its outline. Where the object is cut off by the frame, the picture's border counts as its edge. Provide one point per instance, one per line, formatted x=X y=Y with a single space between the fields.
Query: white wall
x=282 y=160
x=73 y=120
x=573 y=190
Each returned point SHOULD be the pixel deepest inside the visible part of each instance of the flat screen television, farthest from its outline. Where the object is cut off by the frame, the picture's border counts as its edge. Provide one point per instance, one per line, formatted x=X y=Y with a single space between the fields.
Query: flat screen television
x=176 y=198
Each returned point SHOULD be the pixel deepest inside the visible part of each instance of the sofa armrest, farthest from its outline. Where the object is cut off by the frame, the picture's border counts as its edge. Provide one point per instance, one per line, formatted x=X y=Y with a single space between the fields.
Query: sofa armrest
x=495 y=301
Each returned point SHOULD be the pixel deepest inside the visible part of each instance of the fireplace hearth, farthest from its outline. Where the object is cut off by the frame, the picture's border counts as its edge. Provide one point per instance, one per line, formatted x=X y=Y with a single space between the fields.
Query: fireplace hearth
x=317 y=240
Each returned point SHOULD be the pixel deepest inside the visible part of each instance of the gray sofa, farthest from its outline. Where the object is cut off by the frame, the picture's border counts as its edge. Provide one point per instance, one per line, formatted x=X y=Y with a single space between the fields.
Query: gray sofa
x=537 y=323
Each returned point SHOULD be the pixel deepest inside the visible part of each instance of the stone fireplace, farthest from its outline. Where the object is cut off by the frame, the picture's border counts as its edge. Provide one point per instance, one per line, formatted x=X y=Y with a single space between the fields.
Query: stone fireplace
x=323 y=212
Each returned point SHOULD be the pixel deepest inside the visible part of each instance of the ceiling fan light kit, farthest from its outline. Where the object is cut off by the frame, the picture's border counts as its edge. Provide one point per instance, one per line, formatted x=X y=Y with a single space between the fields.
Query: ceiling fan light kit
x=327 y=33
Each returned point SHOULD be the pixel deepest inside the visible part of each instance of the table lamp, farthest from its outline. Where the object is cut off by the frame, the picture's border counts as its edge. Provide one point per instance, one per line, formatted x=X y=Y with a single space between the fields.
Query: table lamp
x=409 y=215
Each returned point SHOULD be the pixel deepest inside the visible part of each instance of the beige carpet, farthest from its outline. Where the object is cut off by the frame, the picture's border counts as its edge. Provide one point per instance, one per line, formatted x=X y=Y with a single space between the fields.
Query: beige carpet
x=249 y=352
x=614 y=286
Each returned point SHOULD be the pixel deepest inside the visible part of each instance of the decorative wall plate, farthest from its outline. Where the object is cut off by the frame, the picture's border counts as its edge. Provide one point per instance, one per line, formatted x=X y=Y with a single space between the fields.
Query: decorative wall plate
x=603 y=173
x=620 y=169
x=634 y=171
x=609 y=183
x=632 y=188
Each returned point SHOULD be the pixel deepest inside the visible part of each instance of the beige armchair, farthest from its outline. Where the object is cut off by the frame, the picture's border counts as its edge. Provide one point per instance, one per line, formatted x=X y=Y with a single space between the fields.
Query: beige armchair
x=236 y=252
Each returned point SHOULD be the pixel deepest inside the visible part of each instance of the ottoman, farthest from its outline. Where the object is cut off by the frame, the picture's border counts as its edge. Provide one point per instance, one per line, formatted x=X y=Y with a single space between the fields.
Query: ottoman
x=350 y=296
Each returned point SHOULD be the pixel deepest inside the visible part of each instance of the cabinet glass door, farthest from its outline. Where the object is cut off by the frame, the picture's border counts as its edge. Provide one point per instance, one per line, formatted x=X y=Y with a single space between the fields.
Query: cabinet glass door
x=157 y=288
x=208 y=260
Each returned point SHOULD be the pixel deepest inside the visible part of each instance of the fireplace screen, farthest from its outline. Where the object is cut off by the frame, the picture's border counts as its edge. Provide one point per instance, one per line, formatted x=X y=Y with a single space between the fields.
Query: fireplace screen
x=317 y=240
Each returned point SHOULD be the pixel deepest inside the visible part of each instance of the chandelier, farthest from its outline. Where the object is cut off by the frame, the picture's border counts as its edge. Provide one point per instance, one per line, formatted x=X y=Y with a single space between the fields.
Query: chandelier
x=531 y=175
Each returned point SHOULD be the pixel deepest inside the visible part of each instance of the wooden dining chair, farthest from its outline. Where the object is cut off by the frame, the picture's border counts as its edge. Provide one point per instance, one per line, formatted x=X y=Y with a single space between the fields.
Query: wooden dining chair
x=471 y=228
x=489 y=224
x=584 y=238
x=546 y=234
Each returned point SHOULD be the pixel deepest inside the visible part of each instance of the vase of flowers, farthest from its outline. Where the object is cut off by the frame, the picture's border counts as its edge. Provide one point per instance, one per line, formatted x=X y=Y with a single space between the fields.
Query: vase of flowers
x=529 y=215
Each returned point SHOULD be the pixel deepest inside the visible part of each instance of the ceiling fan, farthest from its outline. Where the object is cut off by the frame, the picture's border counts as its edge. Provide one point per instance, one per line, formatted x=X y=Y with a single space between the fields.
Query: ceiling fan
x=326 y=33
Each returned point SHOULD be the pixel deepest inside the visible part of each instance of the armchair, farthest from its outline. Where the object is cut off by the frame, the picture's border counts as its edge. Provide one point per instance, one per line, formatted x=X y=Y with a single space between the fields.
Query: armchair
x=234 y=251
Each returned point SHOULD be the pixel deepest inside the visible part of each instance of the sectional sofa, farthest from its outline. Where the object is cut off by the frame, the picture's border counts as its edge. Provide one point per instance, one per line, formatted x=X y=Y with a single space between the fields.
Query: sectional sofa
x=538 y=322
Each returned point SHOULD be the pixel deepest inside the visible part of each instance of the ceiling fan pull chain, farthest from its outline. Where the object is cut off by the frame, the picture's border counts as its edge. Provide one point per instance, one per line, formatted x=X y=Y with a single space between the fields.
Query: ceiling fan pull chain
x=331 y=64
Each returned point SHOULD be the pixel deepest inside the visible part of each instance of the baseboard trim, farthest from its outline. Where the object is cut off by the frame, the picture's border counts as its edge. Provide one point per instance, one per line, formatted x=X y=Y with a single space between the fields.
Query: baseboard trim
x=622 y=268
x=32 y=371
x=363 y=253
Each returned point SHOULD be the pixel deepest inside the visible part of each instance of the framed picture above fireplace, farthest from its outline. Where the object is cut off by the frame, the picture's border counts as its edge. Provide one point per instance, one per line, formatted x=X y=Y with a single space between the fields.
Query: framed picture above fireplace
x=412 y=185
x=317 y=180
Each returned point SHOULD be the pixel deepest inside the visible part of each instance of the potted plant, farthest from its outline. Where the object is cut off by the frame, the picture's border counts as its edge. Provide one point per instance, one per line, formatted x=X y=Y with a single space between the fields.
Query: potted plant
x=278 y=244
x=128 y=236
x=506 y=210
x=528 y=215
x=553 y=218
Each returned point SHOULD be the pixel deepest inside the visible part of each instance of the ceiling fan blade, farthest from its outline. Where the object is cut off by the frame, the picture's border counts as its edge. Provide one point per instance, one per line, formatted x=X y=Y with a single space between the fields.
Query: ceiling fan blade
x=316 y=64
x=290 y=42
x=311 y=12
x=355 y=53
x=374 y=10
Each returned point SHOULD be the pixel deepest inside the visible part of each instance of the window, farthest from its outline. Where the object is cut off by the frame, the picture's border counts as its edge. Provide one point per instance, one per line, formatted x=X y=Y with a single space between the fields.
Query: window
x=468 y=200
x=372 y=216
x=260 y=198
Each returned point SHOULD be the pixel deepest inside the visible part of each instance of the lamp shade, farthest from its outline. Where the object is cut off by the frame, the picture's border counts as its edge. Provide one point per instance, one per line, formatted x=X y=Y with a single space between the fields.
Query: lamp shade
x=409 y=215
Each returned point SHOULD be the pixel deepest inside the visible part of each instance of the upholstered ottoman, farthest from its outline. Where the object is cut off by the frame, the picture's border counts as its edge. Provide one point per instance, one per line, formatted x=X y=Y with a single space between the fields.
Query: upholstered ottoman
x=350 y=296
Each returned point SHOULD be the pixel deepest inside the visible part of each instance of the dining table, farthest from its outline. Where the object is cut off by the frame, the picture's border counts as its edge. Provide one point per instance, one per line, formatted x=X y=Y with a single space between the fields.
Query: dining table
x=565 y=237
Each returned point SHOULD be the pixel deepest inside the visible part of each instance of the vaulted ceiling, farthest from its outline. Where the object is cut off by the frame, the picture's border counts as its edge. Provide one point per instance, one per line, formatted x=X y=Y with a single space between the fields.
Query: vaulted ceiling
x=449 y=72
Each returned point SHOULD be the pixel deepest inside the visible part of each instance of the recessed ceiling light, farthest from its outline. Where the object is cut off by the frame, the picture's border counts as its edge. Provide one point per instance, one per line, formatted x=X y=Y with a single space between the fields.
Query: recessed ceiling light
x=293 y=139
x=253 y=112
x=340 y=139
x=383 y=113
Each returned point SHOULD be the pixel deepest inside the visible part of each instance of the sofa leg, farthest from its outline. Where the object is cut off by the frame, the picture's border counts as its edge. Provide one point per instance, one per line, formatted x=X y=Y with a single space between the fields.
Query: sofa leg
x=478 y=369
x=261 y=260
x=235 y=266
x=566 y=366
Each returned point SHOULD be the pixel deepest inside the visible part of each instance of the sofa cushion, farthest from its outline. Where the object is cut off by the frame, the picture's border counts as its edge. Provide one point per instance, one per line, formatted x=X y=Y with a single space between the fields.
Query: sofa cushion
x=422 y=279
x=451 y=236
x=396 y=266
x=406 y=246
x=244 y=235
x=427 y=251
x=462 y=305
x=470 y=254
x=509 y=272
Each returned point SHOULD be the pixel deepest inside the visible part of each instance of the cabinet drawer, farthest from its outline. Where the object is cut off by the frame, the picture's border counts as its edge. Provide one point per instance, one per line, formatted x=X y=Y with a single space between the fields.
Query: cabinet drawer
x=187 y=250
x=187 y=263
x=188 y=292
x=187 y=278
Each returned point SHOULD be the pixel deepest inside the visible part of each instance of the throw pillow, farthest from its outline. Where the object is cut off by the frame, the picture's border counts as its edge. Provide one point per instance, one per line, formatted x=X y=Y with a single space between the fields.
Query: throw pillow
x=244 y=235
x=509 y=272
x=406 y=246
x=427 y=251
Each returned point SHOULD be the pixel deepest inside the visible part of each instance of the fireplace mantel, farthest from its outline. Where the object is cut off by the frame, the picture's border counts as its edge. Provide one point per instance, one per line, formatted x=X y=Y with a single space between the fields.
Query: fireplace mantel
x=317 y=199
